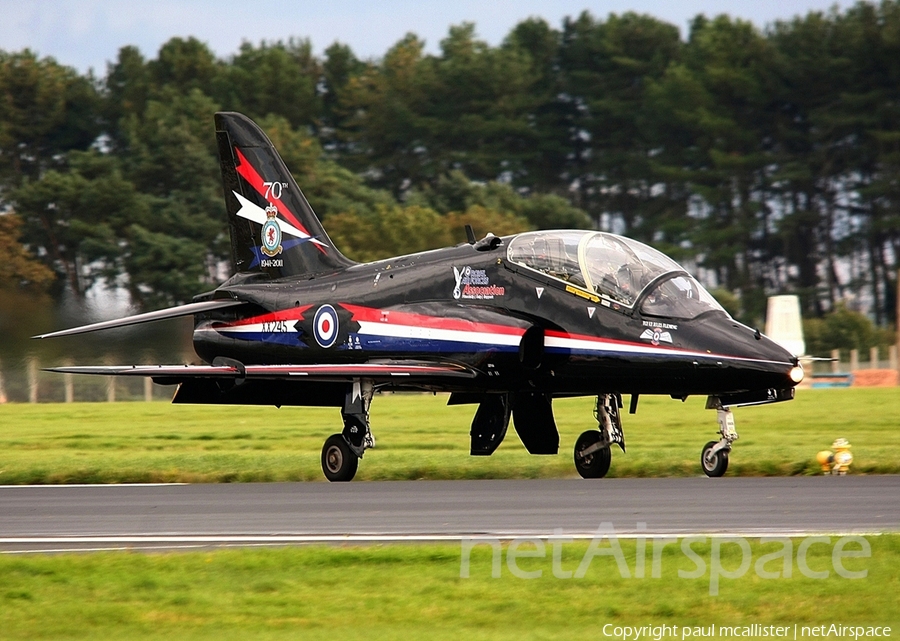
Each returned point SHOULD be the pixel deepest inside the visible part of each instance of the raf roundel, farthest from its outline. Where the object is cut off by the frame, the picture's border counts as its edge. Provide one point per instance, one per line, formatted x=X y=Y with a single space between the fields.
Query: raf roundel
x=325 y=326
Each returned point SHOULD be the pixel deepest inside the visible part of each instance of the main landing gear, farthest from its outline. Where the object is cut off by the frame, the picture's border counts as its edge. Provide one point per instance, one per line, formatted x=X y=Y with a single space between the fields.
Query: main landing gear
x=592 y=449
x=341 y=452
x=714 y=457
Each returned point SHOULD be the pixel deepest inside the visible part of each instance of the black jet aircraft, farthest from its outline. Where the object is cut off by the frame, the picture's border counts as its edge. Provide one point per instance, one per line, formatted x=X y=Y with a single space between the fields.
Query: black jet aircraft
x=504 y=323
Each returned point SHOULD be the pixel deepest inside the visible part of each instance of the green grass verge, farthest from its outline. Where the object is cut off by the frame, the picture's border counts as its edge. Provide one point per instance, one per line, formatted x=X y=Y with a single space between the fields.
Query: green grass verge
x=419 y=437
x=416 y=592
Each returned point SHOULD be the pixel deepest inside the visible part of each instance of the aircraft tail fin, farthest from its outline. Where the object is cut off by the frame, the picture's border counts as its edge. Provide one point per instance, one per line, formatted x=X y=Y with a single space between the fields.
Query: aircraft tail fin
x=273 y=228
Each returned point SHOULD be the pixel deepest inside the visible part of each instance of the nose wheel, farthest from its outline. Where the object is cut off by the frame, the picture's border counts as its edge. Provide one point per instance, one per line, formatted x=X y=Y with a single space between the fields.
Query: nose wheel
x=714 y=462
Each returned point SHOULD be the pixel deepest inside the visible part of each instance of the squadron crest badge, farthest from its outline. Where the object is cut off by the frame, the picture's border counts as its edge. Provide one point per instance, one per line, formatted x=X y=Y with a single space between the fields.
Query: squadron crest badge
x=271 y=233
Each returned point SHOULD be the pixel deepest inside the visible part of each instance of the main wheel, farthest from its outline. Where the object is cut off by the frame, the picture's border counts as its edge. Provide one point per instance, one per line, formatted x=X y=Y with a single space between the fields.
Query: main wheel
x=596 y=464
x=713 y=464
x=339 y=463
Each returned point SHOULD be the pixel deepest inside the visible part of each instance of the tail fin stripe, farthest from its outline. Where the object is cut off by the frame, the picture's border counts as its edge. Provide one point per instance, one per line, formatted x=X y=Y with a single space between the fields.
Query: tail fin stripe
x=249 y=173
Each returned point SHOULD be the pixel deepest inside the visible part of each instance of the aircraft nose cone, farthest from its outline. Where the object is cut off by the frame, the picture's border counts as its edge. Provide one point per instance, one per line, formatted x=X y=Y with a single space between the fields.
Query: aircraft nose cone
x=754 y=357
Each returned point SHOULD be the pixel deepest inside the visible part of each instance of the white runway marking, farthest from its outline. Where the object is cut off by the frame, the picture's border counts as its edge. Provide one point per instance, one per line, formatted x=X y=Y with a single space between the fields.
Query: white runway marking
x=176 y=542
x=68 y=485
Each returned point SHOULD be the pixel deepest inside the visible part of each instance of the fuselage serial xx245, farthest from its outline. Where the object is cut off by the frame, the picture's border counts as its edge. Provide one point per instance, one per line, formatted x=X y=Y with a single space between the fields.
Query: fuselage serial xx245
x=504 y=323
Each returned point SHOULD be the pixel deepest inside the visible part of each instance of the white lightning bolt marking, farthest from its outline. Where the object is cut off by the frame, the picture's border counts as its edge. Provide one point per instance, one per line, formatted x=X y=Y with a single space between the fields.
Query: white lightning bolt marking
x=257 y=214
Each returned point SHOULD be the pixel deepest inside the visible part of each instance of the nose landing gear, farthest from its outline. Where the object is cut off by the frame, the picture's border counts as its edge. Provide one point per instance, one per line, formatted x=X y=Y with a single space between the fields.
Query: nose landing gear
x=714 y=457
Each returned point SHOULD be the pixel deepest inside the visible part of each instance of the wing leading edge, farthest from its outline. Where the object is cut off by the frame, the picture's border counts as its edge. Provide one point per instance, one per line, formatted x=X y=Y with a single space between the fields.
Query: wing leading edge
x=389 y=370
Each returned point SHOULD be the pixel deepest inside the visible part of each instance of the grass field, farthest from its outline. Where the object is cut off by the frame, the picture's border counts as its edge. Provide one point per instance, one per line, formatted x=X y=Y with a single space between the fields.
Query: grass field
x=419 y=437
x=417 y=592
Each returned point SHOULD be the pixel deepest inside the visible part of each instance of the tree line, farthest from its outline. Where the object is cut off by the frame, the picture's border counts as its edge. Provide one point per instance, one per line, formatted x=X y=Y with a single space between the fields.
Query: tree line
x=768 y=161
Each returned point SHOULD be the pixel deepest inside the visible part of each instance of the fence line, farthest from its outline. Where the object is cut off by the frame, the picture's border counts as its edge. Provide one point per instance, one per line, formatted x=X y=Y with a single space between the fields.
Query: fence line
x=26 y=382
x=874 y=362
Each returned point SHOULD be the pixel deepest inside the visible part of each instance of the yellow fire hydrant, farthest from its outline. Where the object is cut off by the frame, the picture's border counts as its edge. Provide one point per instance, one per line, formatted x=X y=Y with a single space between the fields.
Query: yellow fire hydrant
x=838 y=461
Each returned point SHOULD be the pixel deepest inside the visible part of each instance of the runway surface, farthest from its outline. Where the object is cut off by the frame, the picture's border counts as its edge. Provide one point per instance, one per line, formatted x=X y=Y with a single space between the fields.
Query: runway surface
x=172 y=516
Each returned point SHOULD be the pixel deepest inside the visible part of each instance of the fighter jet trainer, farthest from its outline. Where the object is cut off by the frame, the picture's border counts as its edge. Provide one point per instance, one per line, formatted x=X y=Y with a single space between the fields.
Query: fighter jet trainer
x=504 y=323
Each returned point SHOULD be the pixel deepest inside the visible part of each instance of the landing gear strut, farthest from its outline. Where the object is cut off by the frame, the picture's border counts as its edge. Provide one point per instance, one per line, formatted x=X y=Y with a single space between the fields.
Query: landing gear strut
x=714 y=457
x=592 y=453
x=341 y=452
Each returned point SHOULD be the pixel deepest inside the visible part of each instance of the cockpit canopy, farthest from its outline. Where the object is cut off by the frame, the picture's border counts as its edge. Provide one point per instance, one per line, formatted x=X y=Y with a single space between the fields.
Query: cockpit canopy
x=615 y=268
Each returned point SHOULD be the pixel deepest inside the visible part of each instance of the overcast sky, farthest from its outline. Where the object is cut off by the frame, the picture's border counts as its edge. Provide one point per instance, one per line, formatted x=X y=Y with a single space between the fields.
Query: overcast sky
x=88 y=33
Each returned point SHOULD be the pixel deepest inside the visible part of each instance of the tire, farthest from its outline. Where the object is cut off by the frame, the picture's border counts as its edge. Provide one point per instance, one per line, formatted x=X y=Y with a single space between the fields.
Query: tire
x=596 y=464
x=339 y=463
x=713 y=465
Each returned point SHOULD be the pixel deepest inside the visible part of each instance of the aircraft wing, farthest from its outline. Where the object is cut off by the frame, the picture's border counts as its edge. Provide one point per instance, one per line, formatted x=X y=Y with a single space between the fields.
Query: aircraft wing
x=386 y=370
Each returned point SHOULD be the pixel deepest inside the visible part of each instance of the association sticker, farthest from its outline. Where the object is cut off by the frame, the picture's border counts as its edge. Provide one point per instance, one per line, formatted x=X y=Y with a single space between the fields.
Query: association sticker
x=475 y=284
x=325 y=326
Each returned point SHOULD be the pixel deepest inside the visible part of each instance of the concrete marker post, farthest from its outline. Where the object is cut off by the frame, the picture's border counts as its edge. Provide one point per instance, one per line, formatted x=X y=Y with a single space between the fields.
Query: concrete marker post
x=32 y=368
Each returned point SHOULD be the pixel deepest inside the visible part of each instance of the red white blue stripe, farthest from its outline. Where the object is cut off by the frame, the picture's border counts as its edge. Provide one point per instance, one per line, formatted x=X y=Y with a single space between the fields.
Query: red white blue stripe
x=397 y=331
